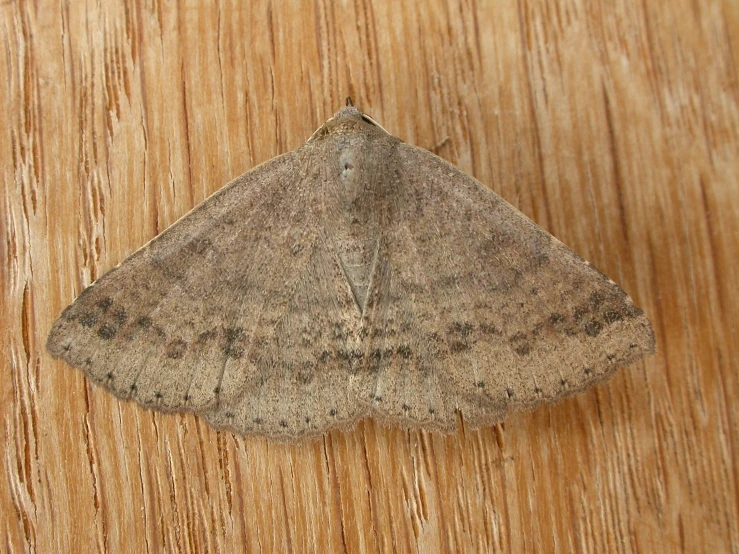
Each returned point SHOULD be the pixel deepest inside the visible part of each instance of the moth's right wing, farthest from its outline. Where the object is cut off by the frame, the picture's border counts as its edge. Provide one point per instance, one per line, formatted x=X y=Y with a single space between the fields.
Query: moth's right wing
x=483 y=311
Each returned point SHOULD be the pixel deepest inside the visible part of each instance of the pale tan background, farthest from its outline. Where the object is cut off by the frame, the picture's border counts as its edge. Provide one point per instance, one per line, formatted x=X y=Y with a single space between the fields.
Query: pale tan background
x=612 y=124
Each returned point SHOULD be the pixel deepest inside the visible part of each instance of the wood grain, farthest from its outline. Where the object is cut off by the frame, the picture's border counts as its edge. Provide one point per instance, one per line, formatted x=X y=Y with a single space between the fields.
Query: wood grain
x=612 y=124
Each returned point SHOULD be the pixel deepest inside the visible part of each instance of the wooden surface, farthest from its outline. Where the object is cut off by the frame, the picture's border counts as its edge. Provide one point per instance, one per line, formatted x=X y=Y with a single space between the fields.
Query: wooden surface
x=611 y=124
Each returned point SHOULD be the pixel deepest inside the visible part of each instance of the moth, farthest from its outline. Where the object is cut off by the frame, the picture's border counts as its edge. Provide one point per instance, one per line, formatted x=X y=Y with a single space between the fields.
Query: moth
x=357 y=276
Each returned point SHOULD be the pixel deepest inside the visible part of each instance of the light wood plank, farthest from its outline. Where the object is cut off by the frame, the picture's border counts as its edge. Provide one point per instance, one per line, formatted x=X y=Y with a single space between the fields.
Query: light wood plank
x=612 y=124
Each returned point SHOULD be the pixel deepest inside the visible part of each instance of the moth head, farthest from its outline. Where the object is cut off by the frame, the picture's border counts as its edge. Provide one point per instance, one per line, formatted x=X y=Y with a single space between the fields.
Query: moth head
x=346 y=121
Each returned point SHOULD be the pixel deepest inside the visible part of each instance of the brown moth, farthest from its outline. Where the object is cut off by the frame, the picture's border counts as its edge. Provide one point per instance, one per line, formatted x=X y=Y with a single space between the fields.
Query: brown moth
x=355 y=277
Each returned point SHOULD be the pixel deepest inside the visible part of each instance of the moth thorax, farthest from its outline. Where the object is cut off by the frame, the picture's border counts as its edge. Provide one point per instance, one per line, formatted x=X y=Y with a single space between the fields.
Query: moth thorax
x=363 y=212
